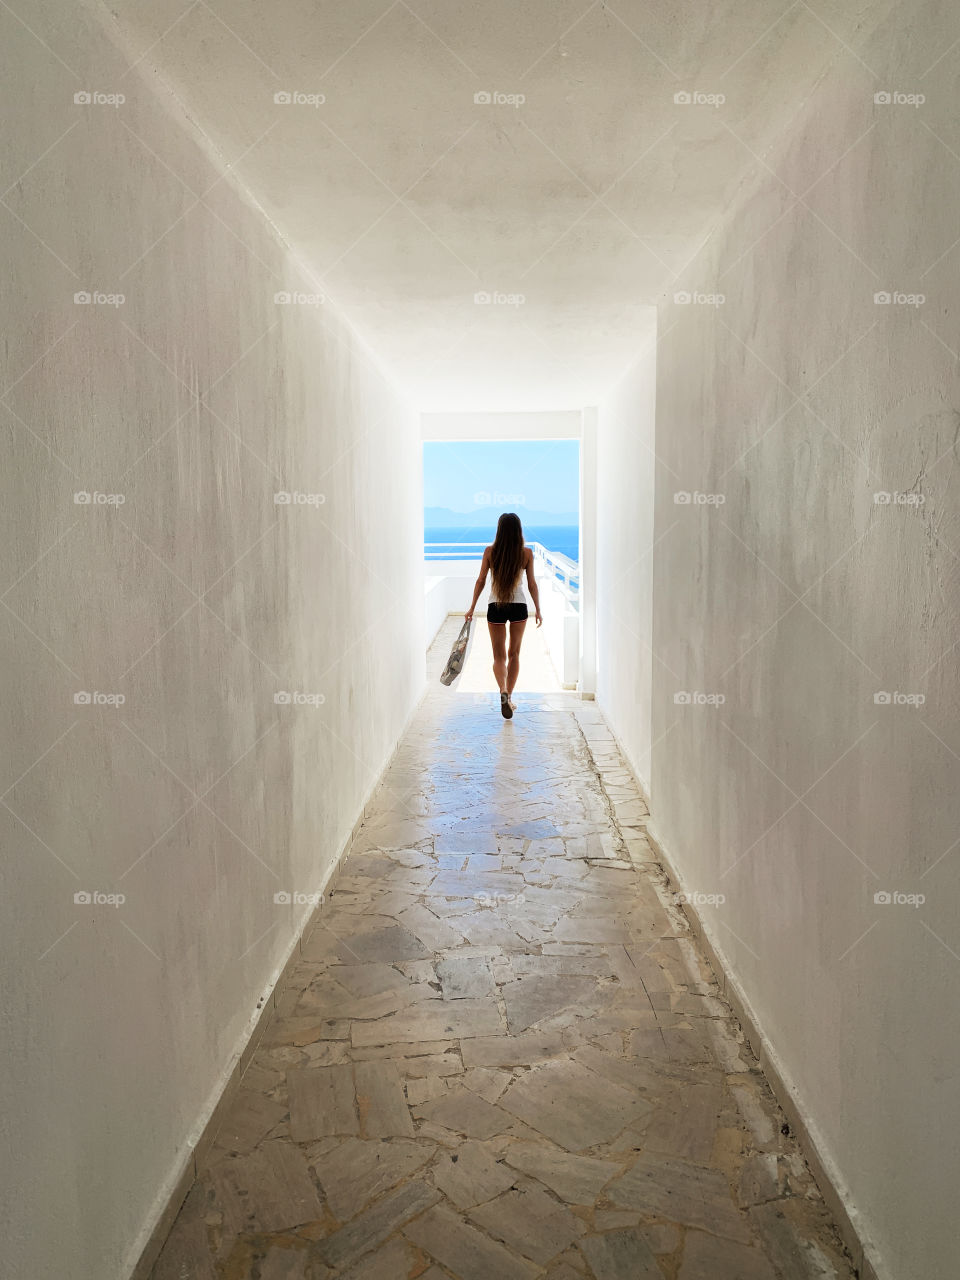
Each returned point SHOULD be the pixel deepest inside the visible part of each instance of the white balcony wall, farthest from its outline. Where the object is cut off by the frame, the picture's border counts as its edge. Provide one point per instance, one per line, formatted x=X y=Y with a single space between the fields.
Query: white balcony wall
x=198 y=600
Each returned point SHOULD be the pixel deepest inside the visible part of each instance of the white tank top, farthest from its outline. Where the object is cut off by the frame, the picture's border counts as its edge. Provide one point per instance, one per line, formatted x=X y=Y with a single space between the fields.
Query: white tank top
x=518 y=597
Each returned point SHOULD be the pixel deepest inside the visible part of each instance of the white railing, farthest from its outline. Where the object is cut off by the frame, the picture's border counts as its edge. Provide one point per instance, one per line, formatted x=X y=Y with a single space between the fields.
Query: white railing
x=564 y=572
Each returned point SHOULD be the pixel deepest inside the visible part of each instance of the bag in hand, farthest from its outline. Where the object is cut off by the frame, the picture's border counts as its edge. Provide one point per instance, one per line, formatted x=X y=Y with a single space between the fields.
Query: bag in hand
x=457 y=655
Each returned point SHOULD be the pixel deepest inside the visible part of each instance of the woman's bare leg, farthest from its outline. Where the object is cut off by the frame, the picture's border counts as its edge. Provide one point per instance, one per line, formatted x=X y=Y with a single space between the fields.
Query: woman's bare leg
x=513 y=661
x=498 y=639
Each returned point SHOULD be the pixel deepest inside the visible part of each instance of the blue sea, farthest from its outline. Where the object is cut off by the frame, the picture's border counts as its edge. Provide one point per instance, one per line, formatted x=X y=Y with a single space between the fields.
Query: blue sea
x=562 y=538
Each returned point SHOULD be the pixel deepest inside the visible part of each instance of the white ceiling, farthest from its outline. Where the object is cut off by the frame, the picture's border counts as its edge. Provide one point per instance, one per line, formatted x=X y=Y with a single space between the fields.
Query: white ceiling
x=407 y=198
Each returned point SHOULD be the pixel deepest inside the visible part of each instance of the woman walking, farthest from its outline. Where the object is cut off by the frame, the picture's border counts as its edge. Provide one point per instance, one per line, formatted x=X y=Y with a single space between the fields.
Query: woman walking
x=507 y=560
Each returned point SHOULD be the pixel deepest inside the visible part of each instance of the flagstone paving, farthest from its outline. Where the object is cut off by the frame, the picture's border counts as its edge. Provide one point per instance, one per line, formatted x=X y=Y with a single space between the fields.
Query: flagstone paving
x=501 y=1054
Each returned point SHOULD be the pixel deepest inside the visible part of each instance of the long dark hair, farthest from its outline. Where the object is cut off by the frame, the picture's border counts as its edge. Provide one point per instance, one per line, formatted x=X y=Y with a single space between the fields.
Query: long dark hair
x=506 y=557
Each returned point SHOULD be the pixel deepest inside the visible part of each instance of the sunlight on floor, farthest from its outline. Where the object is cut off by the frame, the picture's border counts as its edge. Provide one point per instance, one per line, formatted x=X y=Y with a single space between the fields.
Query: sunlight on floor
x=537 y=674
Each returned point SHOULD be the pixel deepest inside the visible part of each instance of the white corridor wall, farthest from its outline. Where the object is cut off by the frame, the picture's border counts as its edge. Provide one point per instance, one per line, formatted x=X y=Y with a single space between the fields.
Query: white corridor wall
x=199 y=599
x=797 y=594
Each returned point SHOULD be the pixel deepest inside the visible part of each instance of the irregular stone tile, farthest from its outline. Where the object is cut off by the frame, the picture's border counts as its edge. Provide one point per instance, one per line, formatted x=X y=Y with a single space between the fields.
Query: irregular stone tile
x=530 y=1223
x=385 y=945
x=424 y=1088
x=591 y=929
x=413 y=1052
x=468 y=1253
x=452 y=842
x=434 y=933
x=759 y=1179
x=186 y=1251
x=375 y=1224
x=538 y=830
x=433 y=1064
x=462 y=977
x=390 y=1262
x=488 y=1082
x=471 y=1175
x=381 y=1101
x=576 y=1179
x=431 y=1020
x=513 y=1051
x=303 y=1031
x=680 y=1192
x=358 y=1169
x=368 y=979
x=249 y=1120
x=531 y=999
x=282 y=1262
x=571 y=1104
x=686 y=1125
x=621 y=1255
x=268 y=1190
x=627 y=1072
x=321 y=1102
x=789 y=1234
x=759 y=1115
x=465 y=1112
x=707 y=1257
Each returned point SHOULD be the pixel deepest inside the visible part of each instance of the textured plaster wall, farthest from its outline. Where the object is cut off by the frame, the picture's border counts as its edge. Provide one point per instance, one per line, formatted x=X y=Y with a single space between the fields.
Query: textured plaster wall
x=801 y=597
x=198 y=600
x=625 y=506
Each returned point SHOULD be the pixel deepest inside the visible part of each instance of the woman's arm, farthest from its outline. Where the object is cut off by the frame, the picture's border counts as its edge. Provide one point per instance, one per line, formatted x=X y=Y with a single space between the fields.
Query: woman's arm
x=532 y=585
x=481 y=580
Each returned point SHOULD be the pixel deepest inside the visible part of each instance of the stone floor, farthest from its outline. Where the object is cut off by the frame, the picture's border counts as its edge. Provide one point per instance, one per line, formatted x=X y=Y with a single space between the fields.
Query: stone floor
x=501 y=1056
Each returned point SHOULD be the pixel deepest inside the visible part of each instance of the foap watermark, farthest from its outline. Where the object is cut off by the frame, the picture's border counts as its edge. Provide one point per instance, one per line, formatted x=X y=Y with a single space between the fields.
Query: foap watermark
x=84 y=498
x=294 y=299
x=684 y=299
x=296 y=98
x=894 y=898
x=294 y=498
x=297 y=898
x=287 y=698
x=484 y=498
x=698 y=899
x=696 y=98
x=884 y=698
x=86 y=698
x=894 y=298
x=883 y=498
x=494 y=98
x=495 y=299
x=487 y=900
x=86 y=298
x=896 y=98
x=97 y=898
x=694 y=698
x=94 y=98
x=684 y=498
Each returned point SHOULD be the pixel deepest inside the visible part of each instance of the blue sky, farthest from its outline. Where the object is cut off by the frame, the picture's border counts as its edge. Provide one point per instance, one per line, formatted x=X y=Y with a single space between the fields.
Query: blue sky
x=542 y=475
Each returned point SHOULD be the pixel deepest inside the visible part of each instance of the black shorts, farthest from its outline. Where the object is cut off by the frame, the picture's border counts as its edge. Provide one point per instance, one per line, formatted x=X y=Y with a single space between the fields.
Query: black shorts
x=506 y=612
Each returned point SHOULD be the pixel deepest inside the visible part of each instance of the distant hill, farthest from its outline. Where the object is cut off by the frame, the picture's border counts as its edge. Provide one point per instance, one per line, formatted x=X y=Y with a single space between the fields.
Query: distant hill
x=486 y=517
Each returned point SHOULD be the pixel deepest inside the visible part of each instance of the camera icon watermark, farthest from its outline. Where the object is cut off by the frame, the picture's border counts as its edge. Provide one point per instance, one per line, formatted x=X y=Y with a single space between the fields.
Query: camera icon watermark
x=295 y=98
x=286 y=698
x=297 y=898
x=94 y=98
x=695 y=698
x=294 y=498
x=896 y=298
x=96 y=898
x=286 y=298
x=86 y=298
x=894 y=98
x=695 y=98
x=84 y=498
x=683 y=298
x=495 y=98
x=84 y=698
x=884 y=498
x=686 y=498
x=894 y=898
x=882 y=698
x=496 y=299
